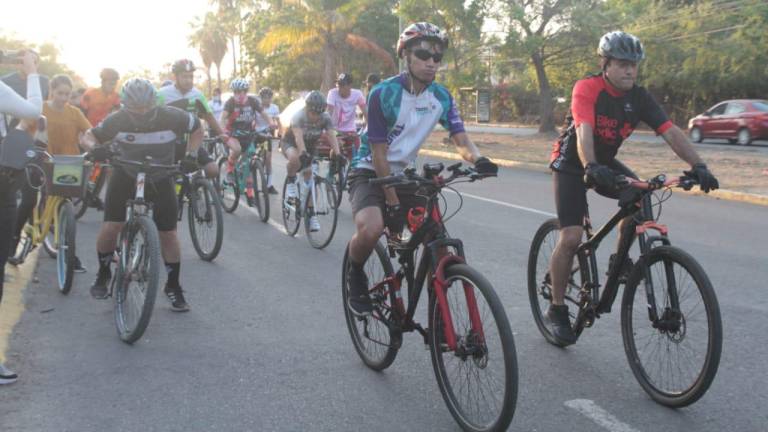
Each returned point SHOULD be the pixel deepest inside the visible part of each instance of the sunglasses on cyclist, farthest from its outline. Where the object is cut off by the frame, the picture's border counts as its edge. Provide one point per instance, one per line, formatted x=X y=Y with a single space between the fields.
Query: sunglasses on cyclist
x=425 y=55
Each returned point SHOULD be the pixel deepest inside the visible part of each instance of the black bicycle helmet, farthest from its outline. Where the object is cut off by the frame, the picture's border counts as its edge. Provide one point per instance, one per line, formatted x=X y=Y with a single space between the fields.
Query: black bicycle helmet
x=266 y=93
x=315 y=102
x=138 y=93
x=183 y=65
x=622 y=46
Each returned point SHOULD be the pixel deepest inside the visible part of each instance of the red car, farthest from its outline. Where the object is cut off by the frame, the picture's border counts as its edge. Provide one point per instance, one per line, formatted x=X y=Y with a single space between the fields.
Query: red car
x=739 y=121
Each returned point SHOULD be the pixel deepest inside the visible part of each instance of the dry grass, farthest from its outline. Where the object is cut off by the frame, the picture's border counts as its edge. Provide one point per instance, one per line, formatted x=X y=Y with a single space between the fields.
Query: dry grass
x=743 y=170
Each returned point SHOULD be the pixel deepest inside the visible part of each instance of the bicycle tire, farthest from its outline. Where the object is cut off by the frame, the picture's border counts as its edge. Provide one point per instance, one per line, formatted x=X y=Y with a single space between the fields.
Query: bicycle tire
x=199 y=222
x=671 y=257
x=152 y=264
x=260 y=192
x=539 y=282
x=325 y=198
x=376 y=354
x=474 y=357
x=228 y=192
x=65 y=259
x=291 y=212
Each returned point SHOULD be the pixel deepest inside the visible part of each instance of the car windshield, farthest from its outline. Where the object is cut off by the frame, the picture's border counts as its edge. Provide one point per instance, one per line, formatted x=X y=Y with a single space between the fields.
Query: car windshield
x=760 y=105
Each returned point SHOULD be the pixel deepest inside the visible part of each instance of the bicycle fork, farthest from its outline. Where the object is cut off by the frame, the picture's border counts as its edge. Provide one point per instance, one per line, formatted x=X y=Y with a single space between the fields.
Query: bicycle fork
x=440 y=287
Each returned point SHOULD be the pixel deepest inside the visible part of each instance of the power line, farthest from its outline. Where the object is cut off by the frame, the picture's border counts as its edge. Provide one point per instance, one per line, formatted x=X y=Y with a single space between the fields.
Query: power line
x=718 y=8
x=702 y=33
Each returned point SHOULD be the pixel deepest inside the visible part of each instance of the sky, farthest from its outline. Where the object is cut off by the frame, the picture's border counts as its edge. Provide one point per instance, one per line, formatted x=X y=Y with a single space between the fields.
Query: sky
x=131 y=35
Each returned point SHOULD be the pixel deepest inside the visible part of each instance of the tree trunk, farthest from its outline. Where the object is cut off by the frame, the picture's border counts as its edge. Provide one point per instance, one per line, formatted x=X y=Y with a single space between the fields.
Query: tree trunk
x=208 y=74
x=218 y=76
x=329 y=58
x=546 y=107
x=234 y=58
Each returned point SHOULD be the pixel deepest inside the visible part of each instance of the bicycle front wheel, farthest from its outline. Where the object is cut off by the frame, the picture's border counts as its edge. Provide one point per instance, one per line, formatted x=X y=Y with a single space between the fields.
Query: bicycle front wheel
x=206 y=223
x=321 y=214
x=260 y=192
x=374 y=337
x=291 y=210
x=65 y=259
x=478 y=379
x=228 y=188
x=540 y=281
x=676 y=356
x=137 y=278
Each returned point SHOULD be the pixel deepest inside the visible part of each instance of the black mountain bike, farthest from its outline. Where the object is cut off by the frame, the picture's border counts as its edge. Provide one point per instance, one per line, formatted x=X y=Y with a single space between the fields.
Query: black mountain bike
x=670 y=318
x=206 y=223
x=469 y=337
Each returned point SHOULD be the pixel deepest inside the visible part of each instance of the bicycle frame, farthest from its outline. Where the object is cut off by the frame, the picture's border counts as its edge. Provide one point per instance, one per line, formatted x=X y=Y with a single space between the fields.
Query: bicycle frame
x=438 y=248
x=41 y=223
x=592 y=302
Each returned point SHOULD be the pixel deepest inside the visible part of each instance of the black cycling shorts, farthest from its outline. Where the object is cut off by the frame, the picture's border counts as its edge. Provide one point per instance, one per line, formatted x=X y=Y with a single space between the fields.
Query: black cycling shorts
x=161 y=193
x=363 y=194
x=571 y=194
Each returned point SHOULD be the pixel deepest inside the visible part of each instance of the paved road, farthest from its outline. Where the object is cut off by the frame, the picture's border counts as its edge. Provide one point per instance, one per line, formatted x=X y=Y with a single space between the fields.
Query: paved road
x=265 y=347
x=638 y=136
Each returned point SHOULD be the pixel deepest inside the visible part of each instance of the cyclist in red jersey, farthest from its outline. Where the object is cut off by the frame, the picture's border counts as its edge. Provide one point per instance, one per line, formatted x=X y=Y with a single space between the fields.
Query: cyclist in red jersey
x=605 y=109
x=96 y=103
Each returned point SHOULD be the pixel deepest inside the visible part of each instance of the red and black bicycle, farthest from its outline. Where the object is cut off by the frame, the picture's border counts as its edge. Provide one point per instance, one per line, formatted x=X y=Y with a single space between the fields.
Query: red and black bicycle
x=468 y=335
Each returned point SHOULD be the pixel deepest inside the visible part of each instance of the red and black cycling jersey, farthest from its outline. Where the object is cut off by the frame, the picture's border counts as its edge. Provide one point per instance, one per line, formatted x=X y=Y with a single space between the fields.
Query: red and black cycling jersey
x=613 y=116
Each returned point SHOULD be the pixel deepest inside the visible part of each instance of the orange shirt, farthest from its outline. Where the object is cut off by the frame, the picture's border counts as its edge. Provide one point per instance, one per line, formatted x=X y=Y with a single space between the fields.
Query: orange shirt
x=98 y=105
x=64 y=129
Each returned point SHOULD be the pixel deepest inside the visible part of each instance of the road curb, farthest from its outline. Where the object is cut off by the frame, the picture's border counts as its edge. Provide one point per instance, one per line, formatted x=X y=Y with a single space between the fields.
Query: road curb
x=13 y=298
x=723 y=194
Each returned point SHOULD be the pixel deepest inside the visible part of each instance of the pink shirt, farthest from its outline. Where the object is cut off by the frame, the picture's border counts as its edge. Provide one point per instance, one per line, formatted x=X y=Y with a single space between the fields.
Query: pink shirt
x=344 y=113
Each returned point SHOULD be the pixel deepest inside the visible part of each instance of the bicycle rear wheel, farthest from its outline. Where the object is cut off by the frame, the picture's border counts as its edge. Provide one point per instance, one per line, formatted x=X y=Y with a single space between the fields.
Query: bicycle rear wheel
x=137 y=278
x=374 y=338
x=321 y=205
x=675 y=358
x=478 y=380
x=260 y=192
x=227 y=186
x=540 y=281
x=291 y=210
x=206 y=223
x=65 y=259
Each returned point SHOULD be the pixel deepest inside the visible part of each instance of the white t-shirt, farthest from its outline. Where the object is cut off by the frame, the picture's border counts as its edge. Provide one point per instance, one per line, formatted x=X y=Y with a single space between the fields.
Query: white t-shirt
x=272 y=112
x=344 y=109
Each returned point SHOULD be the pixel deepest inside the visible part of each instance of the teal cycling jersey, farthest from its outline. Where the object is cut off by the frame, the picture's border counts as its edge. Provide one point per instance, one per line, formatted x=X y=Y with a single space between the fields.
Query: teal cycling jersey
x=404 y=121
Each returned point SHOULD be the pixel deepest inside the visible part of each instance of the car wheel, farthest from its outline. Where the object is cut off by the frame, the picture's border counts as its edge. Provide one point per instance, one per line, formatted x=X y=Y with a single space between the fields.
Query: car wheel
x=696 y=135
x=744 y=137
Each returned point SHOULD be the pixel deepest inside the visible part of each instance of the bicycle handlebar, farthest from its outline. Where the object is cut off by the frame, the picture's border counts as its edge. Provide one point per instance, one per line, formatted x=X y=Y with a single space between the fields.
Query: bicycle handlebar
x=658 y=182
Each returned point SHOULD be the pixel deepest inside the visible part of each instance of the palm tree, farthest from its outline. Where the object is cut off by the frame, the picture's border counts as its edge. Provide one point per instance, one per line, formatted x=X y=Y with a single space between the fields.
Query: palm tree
x=321 y=26
x=211 y=41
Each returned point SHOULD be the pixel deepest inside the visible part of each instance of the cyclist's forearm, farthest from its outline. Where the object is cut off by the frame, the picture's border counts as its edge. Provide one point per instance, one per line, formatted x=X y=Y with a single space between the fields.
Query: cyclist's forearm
x=334 y=142
x=213 y=124
x=681 y=145
x=467 y=149
x=88 y=141
x=195 y=139
x=381 y=166
x=299 y=136
x=585 y=144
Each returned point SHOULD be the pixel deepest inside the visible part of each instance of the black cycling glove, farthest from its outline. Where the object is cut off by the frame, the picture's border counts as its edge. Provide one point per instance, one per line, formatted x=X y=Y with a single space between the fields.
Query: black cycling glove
x=394 y=219
x=189 y=164
x=600 y=175
x=704 y=176
x=483 y=165
x=100 y=153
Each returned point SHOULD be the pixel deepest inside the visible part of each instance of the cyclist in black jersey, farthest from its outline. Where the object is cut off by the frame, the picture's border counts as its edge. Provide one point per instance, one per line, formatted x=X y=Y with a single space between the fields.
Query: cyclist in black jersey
x=605 y=109
x=140 y=129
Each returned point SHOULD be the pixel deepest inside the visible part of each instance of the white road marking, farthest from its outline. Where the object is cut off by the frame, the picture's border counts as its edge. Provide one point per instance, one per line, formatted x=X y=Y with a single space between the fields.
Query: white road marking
x=598 y=415
x=506 y=204
x=276 y=225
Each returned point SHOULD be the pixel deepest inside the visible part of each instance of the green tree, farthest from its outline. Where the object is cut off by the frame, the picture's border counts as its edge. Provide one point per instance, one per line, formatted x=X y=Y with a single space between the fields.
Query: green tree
x=211 y=41
x=550 y=33
x=311 y=27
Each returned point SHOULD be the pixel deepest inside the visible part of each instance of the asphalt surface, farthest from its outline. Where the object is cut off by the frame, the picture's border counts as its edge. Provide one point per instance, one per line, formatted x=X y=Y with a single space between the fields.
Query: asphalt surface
x=266 y=348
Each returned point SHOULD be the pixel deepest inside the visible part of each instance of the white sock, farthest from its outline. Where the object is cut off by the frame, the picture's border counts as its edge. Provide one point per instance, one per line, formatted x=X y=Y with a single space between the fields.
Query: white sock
x=269 y=180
